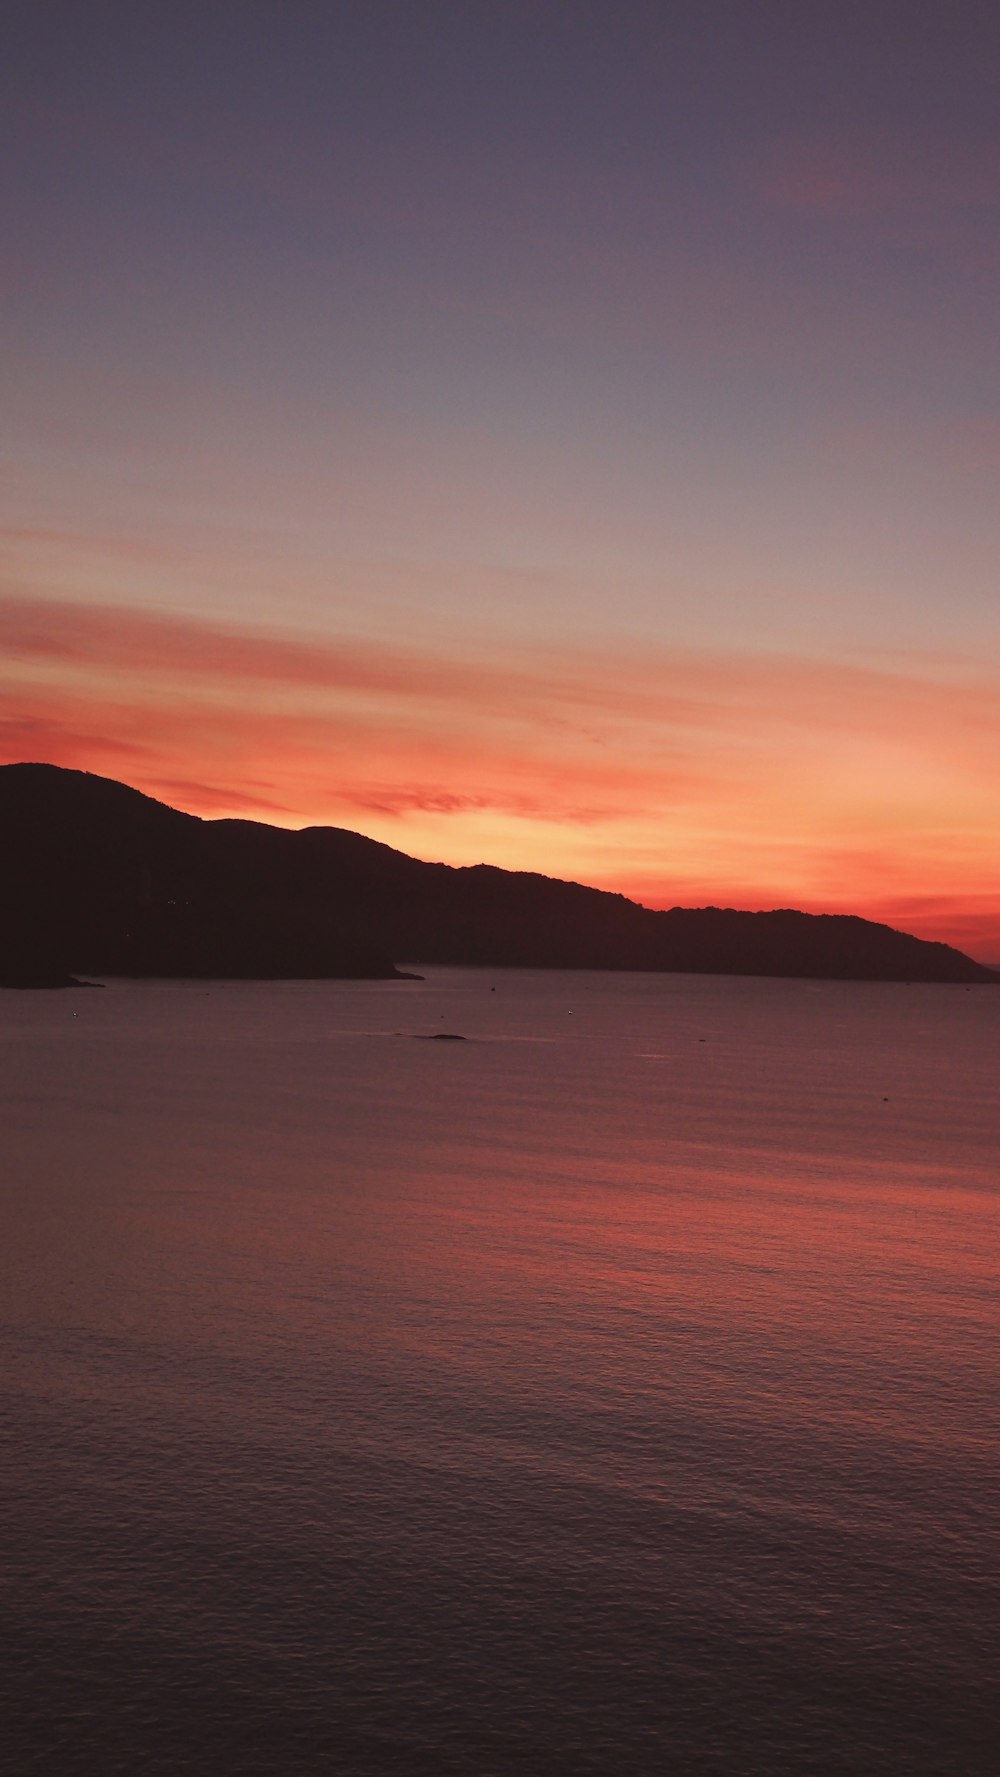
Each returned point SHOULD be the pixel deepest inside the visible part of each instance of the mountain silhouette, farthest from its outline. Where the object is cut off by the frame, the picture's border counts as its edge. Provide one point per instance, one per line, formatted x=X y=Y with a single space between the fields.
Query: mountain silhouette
x=100 y=879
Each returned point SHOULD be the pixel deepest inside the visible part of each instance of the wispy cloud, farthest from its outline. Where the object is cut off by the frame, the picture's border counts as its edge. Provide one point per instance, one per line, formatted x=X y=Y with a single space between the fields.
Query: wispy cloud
x=851 y=178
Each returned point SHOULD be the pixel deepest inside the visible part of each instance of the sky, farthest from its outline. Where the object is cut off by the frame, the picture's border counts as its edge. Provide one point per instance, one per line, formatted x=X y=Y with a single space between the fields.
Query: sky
x=564 y=436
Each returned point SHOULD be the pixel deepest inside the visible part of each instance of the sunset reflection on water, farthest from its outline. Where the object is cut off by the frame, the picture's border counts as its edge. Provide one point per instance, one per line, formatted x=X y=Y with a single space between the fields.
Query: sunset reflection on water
x=620 y=1379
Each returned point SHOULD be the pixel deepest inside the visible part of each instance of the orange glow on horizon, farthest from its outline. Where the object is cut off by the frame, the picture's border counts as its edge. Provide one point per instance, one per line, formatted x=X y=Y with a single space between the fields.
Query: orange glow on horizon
x=674 y=776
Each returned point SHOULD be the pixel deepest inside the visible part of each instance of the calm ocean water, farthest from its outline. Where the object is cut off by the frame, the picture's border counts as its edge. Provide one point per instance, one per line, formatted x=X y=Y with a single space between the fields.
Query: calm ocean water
x=615 y=1392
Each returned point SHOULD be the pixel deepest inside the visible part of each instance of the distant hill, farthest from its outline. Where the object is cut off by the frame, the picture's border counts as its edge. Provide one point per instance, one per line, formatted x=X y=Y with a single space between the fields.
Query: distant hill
x=99 y=879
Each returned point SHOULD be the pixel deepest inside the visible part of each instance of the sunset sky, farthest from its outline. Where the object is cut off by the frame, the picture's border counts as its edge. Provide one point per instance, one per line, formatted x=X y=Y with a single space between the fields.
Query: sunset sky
x=560 y=435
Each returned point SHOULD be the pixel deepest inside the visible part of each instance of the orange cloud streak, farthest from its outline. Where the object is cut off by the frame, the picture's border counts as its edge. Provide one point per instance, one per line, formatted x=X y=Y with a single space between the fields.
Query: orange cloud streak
x=677 y=776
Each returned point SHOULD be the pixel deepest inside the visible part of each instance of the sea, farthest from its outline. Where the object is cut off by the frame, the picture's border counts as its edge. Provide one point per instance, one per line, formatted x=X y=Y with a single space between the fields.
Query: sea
x=611 y=1392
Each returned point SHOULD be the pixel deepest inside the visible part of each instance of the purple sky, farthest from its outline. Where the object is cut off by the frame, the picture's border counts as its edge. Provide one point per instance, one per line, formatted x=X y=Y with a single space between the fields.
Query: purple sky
x=648 y=347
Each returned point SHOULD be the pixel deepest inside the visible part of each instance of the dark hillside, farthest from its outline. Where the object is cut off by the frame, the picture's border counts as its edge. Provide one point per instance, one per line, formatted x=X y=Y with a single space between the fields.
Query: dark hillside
x=100 y=879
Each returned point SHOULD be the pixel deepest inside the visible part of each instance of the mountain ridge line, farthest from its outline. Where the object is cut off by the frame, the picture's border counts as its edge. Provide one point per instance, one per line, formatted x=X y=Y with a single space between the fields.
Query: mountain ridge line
x=103 y=879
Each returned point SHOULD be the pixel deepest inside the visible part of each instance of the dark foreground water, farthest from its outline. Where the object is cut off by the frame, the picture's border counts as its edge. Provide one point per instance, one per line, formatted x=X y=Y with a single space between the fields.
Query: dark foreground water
x=613 y=1393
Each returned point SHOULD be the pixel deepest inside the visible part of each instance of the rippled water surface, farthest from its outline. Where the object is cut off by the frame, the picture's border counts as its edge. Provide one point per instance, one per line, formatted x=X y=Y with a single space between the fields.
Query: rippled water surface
x=613 y=1392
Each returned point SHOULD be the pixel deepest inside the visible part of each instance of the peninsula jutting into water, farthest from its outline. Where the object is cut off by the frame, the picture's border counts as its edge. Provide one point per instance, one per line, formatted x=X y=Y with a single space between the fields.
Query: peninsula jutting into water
x=103 y=880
